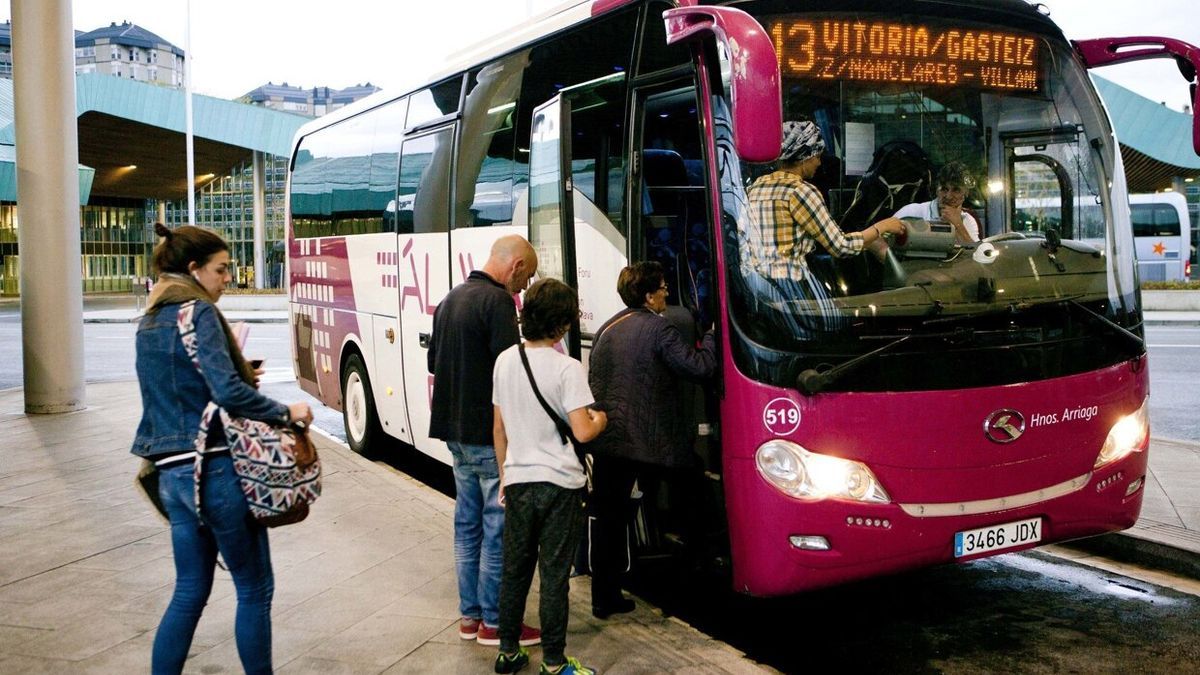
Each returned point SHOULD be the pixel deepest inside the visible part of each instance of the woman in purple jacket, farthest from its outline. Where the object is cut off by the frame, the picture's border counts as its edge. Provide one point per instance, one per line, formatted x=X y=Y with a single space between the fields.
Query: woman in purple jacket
x=634 y=369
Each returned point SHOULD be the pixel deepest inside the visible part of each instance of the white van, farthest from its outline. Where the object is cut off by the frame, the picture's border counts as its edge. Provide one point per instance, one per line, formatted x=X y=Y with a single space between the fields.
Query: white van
x=1162 y=233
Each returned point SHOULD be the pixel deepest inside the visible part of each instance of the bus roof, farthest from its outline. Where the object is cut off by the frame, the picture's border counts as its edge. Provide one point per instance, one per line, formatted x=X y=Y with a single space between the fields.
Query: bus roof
x=514 y=37
x=1174 y=198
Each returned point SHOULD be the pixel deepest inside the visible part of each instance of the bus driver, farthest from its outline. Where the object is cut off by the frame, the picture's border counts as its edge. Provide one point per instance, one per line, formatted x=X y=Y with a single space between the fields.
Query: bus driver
x=953 y=184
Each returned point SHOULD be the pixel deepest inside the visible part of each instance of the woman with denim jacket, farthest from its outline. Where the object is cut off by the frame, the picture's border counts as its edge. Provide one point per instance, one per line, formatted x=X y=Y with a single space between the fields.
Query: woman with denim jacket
x=192 y=264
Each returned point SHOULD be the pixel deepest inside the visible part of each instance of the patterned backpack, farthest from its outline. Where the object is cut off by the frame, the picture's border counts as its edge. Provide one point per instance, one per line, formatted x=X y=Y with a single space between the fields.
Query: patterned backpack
x=277 y=466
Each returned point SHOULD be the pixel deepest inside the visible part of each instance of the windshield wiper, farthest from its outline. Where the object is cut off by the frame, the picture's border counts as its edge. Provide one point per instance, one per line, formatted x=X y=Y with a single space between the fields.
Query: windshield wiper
x=1133 y=339
x=812 y=381
x=1015 y=307
x=1136 y=341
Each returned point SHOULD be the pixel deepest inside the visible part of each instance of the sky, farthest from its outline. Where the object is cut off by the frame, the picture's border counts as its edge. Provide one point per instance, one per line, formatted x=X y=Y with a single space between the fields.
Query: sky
x=238 y=45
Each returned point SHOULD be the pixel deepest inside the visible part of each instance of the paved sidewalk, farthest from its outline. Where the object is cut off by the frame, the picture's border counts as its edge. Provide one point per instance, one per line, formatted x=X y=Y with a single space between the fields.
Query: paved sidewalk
x=365 y=585
x=1168 y=318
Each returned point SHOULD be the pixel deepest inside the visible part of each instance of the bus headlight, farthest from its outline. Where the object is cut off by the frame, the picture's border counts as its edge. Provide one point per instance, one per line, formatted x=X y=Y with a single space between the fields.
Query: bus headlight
x=1130 y=434
x=800 y=473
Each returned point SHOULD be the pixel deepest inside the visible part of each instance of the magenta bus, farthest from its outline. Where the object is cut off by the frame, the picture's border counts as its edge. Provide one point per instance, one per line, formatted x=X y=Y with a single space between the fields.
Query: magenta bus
x=952 y=402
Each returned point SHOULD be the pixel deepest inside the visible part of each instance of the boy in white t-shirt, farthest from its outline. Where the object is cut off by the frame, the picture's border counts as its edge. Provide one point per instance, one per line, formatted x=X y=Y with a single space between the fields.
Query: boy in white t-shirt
x=542 y=481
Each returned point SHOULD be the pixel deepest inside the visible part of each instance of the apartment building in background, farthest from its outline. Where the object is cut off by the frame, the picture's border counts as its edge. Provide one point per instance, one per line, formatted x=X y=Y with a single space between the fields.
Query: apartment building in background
x=123 y=50
x=313 y=102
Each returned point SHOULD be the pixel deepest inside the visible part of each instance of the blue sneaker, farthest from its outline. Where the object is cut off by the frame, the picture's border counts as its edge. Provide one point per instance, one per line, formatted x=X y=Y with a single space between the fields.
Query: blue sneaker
x=571 y=667
x=511 y=663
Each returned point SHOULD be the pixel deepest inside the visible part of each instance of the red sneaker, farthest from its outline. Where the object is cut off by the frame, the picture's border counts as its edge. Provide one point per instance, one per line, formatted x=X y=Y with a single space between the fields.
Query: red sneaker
x=468 y=628
x=530 y=636
x=490 y=635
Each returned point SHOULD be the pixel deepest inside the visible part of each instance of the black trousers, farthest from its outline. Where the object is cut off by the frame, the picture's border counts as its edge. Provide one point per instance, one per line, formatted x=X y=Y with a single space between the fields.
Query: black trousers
x=542 y=522
x=612 y=513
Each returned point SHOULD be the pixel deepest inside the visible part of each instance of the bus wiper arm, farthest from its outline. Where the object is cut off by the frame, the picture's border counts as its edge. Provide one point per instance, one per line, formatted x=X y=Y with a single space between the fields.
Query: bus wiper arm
x=1015 y=307
x=1012 y=307
x=1133 y=338
x=812 y=381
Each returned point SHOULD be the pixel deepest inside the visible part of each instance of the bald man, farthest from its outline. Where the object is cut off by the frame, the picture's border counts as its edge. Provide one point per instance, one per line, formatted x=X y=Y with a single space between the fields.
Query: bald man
x=474 y=323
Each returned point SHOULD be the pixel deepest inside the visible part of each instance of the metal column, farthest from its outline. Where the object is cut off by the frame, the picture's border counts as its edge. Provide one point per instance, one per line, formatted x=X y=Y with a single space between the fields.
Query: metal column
x=258 y=169
x=43 y=53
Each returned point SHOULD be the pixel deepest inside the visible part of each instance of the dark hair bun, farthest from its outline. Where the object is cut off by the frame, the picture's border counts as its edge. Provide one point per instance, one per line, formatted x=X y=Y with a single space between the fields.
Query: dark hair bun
x=162 y=231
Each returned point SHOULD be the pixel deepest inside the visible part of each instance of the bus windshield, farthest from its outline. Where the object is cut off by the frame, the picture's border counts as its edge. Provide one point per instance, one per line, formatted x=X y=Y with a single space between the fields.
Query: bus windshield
x=987 y=295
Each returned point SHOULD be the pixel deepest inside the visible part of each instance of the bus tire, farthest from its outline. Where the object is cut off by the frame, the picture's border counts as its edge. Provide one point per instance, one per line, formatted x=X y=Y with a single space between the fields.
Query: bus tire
x=358 y=407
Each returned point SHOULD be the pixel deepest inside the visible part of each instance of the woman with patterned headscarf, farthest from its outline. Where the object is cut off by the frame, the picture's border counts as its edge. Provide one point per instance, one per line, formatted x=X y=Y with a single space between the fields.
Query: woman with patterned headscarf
x=788 y=216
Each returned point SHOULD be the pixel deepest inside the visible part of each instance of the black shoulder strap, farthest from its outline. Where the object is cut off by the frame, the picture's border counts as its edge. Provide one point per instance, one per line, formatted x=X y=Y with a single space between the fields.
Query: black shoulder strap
x=564 y=431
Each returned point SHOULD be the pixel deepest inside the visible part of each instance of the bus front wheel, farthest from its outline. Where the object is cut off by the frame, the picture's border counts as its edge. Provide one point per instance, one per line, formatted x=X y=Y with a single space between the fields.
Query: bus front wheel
x=358 y=407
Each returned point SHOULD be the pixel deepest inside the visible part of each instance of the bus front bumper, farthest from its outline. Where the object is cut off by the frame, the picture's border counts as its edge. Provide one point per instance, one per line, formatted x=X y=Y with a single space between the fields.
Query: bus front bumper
x=783 y=554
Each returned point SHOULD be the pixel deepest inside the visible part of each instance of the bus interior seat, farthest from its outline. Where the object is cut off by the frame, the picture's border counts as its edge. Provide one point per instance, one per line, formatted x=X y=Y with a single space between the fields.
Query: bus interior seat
x=900 y=173
x=663 y=168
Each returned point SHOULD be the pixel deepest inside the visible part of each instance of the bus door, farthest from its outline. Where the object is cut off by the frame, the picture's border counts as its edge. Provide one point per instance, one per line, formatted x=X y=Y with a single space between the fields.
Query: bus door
x=550 y=198
x=671 y=225
x=577 y=176
x=423 y=223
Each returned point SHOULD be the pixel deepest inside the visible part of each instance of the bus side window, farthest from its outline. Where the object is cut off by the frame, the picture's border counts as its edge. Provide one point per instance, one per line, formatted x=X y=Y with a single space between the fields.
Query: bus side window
x=385 y=160
x=423 y=199
x=655 y=53
x=486 y=150
x=437 y=101
x=344 y=178
x=590 y=67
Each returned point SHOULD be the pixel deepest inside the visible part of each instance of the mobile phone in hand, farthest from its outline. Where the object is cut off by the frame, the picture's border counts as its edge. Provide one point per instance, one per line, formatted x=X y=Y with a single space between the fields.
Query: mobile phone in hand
x=256 y=363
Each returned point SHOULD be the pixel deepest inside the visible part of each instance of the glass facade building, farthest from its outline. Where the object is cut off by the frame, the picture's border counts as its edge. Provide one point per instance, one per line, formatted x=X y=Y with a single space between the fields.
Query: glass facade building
x=117 y=235
x=226 y=204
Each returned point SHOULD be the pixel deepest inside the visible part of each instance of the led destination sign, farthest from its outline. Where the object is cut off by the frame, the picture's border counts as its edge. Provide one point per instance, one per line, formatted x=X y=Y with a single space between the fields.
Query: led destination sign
x=886 y=51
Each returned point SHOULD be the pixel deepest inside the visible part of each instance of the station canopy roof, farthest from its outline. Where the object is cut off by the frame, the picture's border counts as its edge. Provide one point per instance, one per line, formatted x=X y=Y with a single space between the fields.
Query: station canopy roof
x=1156 y=142
x=124 y=124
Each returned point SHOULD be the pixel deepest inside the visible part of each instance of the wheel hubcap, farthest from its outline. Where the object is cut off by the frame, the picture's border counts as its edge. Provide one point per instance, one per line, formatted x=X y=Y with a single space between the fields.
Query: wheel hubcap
x=356 y=407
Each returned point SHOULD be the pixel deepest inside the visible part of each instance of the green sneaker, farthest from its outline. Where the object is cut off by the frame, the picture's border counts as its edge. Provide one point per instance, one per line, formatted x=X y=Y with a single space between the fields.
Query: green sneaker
x=571 y=667
x=511 y=663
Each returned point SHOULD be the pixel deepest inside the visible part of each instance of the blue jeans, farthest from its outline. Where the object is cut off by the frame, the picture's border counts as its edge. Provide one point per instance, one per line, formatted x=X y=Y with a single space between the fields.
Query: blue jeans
x=478 y=531
x=242 y=542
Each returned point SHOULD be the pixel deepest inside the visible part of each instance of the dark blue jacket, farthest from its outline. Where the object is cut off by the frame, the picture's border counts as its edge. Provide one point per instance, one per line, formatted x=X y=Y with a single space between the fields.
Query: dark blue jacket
x=634 y=372
x=174 y=393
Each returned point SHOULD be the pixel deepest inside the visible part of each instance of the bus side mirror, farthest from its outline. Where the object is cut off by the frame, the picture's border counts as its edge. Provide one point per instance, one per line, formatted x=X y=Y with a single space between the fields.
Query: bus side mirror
x=1107 y=51
x=757 y=104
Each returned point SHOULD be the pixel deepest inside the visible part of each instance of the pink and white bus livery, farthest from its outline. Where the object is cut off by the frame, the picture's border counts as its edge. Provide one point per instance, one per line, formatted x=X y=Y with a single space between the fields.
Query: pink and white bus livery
x=952 y=402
